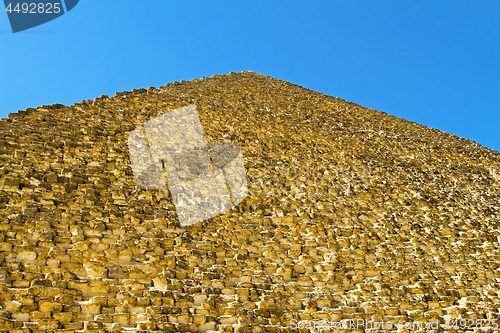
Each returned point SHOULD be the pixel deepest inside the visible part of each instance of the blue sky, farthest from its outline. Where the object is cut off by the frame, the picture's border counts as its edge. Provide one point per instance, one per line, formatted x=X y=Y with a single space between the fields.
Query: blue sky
x=436 y=63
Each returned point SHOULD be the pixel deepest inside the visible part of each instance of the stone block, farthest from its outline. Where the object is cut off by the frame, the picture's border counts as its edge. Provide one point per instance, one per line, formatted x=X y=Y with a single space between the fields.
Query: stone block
x=5 y=247
x=26 y=255
x=47 y=306
x=90 y=308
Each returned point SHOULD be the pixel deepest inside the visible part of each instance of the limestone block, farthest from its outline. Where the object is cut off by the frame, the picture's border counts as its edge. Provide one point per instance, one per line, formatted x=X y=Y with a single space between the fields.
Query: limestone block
x=199 y=319
x=147 y=326
x=125 y=256
x=53 y=263
x=26 y=255
x=90 y=308
x=48 y=325
x=138 y=318
x=5 y=247
x=92 y=325
x=371 y=272
x=63 y=317
x=122 y=319
x=10 y=183
x=12 y=306
x=20 y=316
x=113 y=327
x=47 y=306
x=74 y=326
x=95 y=271
x=286 y=272
x=228 y=320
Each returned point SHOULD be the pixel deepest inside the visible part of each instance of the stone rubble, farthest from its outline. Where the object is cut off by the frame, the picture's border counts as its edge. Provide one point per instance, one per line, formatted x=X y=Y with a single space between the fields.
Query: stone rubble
x=351 y=214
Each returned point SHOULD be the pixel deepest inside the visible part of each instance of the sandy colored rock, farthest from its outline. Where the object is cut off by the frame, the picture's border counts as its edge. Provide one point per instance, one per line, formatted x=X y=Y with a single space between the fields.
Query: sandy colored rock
x=350 y=214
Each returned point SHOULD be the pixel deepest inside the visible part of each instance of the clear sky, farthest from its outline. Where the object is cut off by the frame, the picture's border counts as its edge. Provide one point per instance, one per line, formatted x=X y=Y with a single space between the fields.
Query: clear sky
x=436 y=63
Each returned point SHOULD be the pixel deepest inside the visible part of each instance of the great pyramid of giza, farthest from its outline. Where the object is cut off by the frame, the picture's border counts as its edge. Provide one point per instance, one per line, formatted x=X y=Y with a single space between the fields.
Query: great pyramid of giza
x=351 y=215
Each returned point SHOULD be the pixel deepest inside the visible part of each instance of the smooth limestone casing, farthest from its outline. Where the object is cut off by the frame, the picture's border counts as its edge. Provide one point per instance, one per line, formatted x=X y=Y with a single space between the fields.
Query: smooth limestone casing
x=351 y=214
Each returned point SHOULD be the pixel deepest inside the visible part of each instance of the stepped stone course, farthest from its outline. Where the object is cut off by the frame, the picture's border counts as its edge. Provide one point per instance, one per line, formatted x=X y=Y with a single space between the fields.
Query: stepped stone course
x=351 y=214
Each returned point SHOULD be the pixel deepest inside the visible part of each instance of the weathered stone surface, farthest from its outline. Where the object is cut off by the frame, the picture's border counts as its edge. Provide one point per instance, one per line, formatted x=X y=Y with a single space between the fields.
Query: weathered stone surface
x=351 y=214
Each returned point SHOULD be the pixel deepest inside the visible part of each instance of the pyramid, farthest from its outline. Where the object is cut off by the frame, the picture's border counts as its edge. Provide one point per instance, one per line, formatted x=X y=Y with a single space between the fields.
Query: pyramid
x=351 y=215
